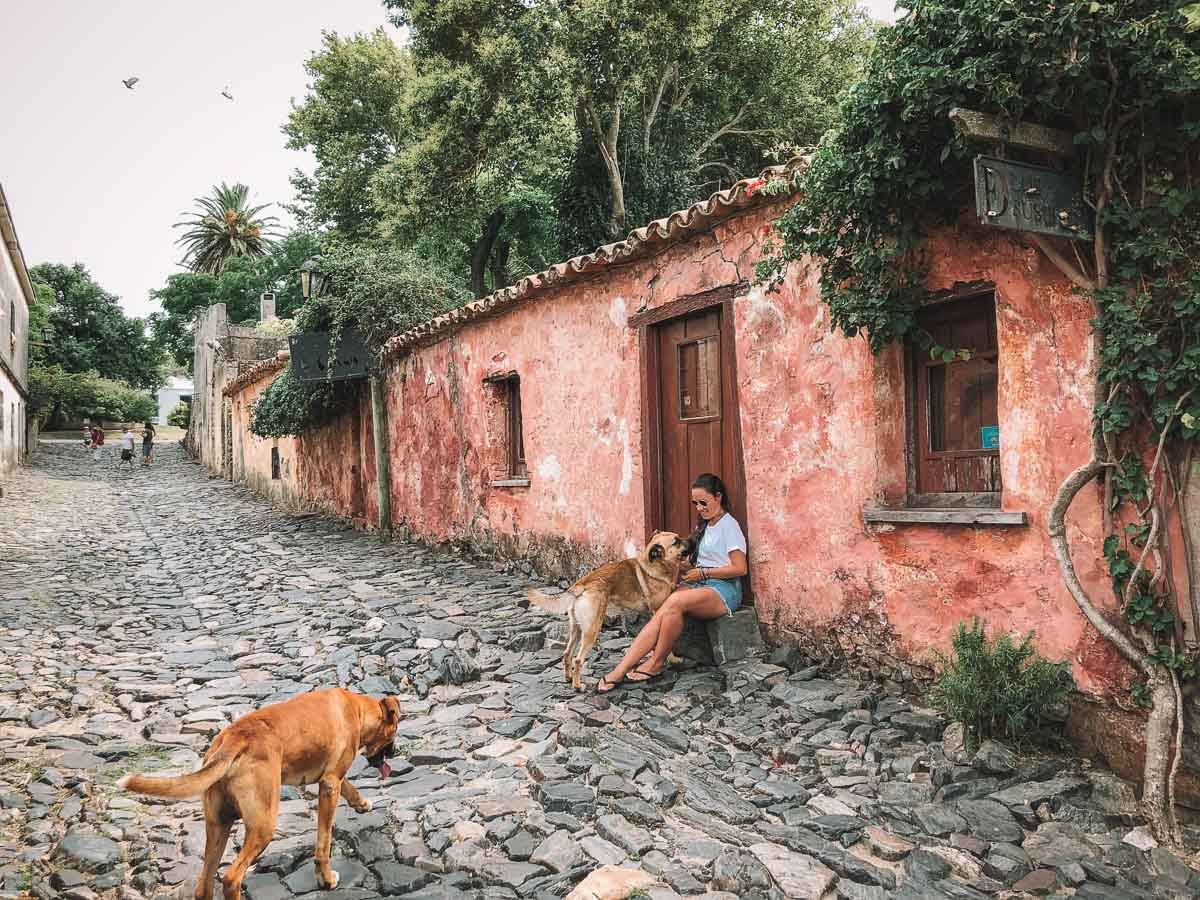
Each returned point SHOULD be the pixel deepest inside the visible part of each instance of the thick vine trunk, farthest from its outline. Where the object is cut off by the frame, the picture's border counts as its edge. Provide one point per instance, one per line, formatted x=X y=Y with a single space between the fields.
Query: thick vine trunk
x=1156 y=804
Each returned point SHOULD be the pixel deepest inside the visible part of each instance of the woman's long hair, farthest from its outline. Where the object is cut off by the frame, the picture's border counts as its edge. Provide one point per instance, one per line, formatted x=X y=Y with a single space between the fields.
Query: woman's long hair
x=715 y=486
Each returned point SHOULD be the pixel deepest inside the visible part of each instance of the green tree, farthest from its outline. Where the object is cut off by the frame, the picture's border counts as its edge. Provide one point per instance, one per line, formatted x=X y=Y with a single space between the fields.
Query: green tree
x=224 y=226
x=87 y=329
x=353 y=122
x=651 y=104
x=1123 y=78
x=60 y=397
x=239 y=285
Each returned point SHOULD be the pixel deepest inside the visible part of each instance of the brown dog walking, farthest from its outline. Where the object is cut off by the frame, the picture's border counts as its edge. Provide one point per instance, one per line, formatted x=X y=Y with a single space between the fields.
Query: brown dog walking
x=310 y=739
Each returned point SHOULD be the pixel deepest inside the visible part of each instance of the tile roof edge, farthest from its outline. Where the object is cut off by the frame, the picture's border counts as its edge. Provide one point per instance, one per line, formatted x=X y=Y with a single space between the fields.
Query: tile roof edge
x=696 y=218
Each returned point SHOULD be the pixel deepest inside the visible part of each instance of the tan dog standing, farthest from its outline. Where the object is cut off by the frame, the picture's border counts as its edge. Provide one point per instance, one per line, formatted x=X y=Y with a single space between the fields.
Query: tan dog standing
x=643 y=582
x=310 y=739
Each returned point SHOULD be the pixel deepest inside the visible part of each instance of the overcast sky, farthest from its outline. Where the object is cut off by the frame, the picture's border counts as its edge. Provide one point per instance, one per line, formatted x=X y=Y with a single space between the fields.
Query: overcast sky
x=96 y=173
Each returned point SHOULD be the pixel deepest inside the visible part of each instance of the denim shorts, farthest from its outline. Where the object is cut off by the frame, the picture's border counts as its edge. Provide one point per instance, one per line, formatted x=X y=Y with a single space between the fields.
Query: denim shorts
x=728 y=589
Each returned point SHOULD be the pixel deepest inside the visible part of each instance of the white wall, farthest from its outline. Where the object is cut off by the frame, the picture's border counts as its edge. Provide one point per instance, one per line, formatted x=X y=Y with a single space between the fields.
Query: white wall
x=169 y=396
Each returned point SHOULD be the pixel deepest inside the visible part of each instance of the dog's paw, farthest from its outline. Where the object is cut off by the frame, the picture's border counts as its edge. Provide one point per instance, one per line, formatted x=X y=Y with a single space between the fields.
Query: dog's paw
x=332 y=883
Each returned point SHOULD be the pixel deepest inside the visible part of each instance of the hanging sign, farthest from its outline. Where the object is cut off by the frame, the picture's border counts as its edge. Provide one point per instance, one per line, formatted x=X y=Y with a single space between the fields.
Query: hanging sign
x=1022 y=197
x=989 y=437
x=313 y=362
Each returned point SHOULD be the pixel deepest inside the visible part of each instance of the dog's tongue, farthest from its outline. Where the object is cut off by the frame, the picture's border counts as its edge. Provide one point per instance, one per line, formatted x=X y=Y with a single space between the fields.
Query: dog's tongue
x=384 y=769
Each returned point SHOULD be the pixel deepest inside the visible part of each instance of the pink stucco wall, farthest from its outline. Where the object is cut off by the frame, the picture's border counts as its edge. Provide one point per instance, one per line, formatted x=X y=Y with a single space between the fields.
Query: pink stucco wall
x=824 y=434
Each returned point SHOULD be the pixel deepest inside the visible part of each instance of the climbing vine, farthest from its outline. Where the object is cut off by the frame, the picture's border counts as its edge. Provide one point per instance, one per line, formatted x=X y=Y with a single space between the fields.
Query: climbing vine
x=381 y=291
x=1123 y=77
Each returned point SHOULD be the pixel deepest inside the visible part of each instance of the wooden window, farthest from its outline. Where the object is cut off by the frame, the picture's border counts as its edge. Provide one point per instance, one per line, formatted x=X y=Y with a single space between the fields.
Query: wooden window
x=957 y=433
x=274 y=463
x=516 y=435
x=699 y=365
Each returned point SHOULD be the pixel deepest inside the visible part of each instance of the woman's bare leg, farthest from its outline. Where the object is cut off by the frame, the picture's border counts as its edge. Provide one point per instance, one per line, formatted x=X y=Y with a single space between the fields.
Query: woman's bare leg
x=644 y=643
x=703 y=603
x=659 y=634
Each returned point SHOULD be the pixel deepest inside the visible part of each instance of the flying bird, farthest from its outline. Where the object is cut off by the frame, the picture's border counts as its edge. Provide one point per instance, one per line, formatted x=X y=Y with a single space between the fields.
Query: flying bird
x=225 y=93
x=129 y=82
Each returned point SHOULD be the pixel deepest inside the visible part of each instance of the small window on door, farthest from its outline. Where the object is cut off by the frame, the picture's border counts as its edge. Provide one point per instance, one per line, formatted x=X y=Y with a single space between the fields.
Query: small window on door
x=957 y=422
x=516 y=435
x=700 y=379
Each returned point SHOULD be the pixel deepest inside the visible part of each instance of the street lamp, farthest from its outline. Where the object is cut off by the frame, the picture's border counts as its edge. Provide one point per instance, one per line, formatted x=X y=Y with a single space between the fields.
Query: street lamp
x=312 y=280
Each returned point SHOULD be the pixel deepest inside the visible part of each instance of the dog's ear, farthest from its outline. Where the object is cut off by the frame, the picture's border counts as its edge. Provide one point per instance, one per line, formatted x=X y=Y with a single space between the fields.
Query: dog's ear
x=656 y=552
x=391 y=710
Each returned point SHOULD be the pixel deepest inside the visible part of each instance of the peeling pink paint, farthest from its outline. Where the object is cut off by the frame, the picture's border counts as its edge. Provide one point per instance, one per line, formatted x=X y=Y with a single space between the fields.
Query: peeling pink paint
x=824 y=434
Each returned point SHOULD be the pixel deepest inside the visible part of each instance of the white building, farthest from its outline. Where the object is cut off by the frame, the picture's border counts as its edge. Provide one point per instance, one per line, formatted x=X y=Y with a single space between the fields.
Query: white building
x=16 y=296
x=177 y=388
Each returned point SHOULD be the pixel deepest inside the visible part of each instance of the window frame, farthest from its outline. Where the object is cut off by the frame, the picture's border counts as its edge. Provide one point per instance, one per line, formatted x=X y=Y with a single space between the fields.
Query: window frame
x=955 y=307
x=518 y=468
x=712 y=417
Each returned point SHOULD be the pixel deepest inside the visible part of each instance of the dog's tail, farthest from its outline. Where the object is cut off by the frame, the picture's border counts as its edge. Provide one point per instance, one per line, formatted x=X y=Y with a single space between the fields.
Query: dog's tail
x=558 y=603
x=184 y=786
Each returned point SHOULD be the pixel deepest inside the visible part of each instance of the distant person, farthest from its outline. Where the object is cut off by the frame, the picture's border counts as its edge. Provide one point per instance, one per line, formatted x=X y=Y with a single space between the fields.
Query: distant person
x=147 y=444
x=127 y=446
x=87 y=437
x=97 y=442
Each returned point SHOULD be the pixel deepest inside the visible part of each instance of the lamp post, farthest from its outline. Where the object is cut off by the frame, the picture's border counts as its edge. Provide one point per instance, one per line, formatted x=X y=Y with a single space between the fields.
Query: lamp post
x=312 y=280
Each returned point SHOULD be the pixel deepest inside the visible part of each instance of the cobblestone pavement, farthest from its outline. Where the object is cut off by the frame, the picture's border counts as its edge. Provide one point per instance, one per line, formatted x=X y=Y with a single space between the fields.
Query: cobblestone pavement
x=143 y=611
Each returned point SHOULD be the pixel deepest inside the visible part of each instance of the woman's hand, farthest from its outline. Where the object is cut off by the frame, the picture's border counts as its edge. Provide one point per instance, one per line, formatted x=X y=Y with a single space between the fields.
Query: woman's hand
x=692 y=575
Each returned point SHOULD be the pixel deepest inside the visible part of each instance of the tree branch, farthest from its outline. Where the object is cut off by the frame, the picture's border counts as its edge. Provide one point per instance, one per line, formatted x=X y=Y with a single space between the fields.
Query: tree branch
x=1073 y=273
x=723 y=130
x=671 y=72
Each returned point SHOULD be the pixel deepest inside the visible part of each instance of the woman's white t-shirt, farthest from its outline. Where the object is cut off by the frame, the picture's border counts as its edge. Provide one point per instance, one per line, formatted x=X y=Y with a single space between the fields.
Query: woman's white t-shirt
x=127 y=441
x=720 y=537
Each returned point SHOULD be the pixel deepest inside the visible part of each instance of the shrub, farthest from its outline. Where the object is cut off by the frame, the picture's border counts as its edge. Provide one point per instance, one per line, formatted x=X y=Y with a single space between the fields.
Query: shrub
x=62 y=396
x=180 y=416
x=999 y=688
x=288 y=407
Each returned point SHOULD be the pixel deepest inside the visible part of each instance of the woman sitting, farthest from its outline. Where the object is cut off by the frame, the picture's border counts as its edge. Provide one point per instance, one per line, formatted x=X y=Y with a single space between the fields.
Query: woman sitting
x=711 y=590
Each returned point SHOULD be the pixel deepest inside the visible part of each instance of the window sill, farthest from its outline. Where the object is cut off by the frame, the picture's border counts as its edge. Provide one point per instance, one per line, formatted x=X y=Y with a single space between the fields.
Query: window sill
x=511 y=483
x=943 y=516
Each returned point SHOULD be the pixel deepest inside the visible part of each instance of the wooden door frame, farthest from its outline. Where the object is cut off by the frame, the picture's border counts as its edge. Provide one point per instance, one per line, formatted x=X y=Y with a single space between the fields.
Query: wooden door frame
x=652 y=463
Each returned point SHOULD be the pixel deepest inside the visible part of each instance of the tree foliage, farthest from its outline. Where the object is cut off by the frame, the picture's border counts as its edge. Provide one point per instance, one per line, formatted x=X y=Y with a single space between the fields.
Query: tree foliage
x=61 y=397
x=509 y=135
x=381 y=291
x=239 y=285
x=180 y=416
x=224 y=226
x=1123 y=77
x=86 y=330
x=353 y=122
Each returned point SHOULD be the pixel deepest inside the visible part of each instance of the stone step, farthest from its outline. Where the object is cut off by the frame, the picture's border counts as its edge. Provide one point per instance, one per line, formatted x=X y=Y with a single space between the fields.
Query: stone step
x=719 y=641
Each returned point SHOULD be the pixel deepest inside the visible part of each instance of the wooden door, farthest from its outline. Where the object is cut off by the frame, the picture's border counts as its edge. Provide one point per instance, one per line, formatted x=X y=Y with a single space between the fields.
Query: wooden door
x=697 y=414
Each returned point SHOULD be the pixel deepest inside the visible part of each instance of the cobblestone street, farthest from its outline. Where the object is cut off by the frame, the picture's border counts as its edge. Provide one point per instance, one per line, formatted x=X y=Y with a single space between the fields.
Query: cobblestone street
x=143 y=611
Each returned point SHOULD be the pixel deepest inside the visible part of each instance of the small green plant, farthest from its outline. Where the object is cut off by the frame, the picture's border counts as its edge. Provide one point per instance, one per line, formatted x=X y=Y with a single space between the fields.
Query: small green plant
x=180 y=416
x=999 y=688
x=637 y=892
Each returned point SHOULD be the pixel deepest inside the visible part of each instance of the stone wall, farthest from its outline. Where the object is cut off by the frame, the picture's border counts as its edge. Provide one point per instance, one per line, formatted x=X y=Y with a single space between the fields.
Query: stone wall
x=221 y=351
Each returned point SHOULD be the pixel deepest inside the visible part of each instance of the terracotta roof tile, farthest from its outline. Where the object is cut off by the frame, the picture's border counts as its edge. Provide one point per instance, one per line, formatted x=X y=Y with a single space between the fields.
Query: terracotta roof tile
x=255 y=373
x=643 y=241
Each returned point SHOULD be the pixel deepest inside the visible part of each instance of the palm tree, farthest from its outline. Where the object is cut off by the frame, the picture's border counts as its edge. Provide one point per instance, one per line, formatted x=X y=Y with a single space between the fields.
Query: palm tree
x=223 y=226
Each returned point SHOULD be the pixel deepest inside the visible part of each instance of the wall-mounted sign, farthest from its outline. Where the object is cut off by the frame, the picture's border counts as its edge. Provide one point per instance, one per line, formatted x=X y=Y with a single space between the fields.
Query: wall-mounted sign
x=1030 y=198
x=313 y=362
x=989 y=437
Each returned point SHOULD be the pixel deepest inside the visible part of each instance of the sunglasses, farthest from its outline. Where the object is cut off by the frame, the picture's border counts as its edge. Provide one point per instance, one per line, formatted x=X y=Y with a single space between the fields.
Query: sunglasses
x=700 y=504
